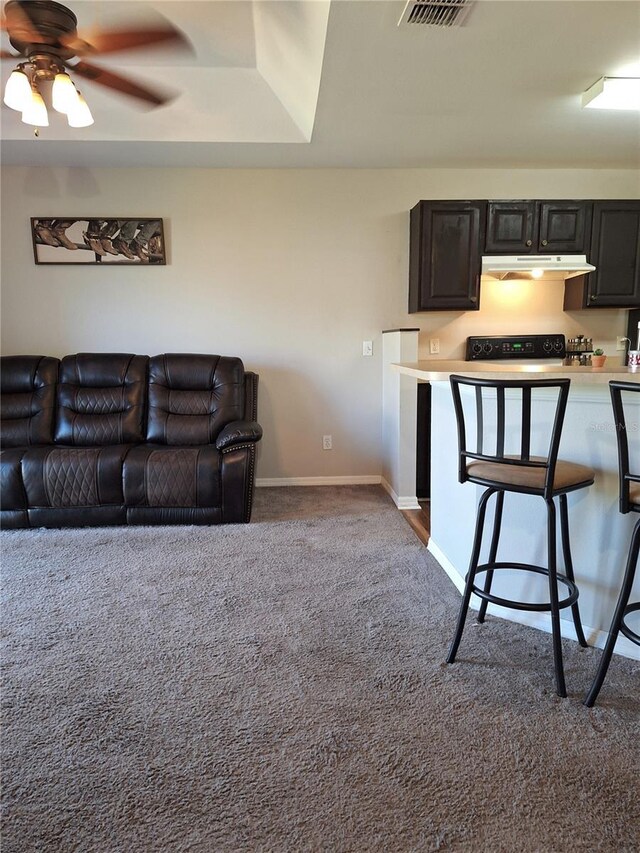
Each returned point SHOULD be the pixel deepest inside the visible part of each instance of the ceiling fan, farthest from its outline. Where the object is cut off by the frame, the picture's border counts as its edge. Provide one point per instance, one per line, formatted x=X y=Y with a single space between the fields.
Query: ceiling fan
x=44 y=34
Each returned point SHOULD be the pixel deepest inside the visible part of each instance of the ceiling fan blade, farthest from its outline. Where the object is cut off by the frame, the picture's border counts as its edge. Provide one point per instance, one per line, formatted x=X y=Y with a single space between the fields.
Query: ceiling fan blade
x=110 y=41
x=20 y=26
x=119 y=83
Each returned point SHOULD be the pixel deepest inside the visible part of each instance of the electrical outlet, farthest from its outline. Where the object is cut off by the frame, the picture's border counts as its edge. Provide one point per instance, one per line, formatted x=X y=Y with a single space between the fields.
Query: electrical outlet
x=367 y=347
x=621 y=343
x=434 y=346
x=327 y=442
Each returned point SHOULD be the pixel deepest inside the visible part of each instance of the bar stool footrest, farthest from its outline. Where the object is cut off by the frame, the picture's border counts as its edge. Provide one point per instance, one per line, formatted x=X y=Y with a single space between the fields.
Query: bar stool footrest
x=625 y=629
x=542 y=607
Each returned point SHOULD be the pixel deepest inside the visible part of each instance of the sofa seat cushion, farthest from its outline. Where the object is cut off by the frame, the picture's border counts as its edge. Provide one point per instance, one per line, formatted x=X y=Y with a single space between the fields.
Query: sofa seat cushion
x=74 y=476
x=156 y=475
x=11 y=487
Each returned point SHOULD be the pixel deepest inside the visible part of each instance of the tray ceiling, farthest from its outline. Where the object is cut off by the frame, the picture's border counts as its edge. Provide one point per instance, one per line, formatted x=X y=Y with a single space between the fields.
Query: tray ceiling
x=313 y=83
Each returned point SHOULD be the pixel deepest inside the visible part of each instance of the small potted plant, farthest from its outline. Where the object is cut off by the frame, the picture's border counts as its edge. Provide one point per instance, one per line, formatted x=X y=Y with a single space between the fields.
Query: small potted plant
x=598 y=358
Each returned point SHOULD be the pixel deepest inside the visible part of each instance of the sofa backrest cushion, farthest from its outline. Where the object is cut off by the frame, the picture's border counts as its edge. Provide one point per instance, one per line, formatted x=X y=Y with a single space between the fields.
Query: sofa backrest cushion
x=192 y=397
x=28 y=385
x=101 y=399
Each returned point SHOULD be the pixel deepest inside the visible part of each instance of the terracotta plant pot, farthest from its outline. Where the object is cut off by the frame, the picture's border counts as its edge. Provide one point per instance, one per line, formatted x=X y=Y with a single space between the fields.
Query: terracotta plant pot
x=598 y=360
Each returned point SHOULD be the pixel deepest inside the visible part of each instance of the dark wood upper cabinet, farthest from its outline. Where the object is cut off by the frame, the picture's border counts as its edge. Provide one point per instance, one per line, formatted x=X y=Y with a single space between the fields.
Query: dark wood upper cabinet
x=448 y=239
x=564 y=226
x=615 y=253
x=446 y=243
x=511 y=227
x=537 y=227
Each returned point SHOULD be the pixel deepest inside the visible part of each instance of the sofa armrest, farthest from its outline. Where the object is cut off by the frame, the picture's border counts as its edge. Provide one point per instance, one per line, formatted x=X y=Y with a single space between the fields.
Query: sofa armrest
x=239 y=432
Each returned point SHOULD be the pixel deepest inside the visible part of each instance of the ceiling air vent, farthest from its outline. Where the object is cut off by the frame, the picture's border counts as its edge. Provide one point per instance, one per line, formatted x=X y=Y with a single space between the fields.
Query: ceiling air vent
x=436 y=13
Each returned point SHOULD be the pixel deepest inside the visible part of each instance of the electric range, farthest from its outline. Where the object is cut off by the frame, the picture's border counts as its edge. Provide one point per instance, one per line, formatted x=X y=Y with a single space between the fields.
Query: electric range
x=516 y=347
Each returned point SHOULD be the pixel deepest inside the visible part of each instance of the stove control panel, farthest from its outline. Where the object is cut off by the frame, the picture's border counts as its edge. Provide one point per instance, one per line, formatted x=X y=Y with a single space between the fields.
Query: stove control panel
x=516 y=346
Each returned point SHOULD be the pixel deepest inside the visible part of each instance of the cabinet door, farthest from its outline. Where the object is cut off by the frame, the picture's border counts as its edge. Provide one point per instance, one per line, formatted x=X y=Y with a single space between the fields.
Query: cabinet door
x=564 y=226
x=511 y=228
x=445 y=255
x=615 y=252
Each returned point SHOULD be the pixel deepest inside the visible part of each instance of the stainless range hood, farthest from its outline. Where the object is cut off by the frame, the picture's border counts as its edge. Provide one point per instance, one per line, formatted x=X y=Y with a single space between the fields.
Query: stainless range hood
x=535 y=266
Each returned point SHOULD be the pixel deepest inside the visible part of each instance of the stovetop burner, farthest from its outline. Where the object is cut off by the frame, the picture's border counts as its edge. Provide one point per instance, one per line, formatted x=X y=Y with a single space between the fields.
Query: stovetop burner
x=515 y=346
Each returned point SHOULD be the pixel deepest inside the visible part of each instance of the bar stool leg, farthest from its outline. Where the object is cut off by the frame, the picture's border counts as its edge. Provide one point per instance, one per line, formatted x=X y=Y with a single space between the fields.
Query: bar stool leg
x=471 y=574
x=497 y=521
x=568 y=565
x=561 y=689
x=623 y=600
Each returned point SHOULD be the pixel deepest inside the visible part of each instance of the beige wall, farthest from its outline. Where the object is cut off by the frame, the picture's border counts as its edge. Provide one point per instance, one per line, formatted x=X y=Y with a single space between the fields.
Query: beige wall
x=289 y=269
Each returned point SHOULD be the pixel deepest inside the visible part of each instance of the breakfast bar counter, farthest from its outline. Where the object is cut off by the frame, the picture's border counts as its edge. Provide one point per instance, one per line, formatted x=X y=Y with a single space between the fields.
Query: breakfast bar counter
x=599 y=533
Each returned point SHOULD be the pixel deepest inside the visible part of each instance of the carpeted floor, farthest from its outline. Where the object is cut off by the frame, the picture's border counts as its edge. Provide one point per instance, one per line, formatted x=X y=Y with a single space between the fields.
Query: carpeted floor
x=280 y=687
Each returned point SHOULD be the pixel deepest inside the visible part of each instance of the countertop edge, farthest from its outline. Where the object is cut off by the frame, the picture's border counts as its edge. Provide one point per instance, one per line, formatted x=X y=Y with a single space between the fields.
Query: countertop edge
x=440 y=370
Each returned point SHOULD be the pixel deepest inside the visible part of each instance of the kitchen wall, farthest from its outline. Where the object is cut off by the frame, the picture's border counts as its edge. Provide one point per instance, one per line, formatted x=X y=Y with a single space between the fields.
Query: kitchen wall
x=291 y=270
x=521 y=307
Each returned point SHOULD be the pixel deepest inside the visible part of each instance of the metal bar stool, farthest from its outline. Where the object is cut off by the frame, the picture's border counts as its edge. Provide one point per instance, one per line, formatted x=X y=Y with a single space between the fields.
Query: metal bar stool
x=512 y=467
x=629 y=502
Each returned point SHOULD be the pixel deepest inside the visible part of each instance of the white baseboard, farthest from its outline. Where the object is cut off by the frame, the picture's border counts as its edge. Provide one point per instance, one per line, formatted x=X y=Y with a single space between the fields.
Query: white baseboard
x=402 y=502
x=540 y=621
x=355 y=480
x=446 y=564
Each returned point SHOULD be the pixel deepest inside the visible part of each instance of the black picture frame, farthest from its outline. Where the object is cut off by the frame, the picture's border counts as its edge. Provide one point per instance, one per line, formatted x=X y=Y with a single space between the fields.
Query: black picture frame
x=102 y=241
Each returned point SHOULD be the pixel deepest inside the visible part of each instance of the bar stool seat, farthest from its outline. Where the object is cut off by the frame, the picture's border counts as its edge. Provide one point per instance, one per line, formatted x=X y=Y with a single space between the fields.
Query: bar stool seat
x=522 y=413
x=622 y=392
x=567 y=475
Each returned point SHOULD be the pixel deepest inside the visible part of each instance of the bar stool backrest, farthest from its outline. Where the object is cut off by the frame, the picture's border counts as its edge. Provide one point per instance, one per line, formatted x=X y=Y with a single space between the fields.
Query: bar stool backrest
x=626 y=414
x=510 y=421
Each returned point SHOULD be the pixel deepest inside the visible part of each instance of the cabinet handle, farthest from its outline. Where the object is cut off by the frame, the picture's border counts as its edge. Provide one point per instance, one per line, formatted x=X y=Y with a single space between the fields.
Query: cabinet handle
x=544 y=242
x=529 y=242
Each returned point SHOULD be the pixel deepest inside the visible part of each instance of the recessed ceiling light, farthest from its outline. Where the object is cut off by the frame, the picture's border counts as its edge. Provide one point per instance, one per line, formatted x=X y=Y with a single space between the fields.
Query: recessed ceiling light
x=613 y=93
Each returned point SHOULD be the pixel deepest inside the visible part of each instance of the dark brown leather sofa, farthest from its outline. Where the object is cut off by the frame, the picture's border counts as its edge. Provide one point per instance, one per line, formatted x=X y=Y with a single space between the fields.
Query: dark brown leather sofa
x=115 y=438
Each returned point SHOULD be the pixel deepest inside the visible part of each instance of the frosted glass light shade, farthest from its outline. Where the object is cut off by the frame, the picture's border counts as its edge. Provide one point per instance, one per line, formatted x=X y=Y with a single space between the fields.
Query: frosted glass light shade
x=17 y=92
x=63 y=94
x=613 y=93
x=35 y=112
x=80 y=114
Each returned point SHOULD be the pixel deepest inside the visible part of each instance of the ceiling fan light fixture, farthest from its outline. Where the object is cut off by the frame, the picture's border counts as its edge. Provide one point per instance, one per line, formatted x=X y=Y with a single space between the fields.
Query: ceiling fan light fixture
x=44 y=32
x=64 y=96
x=17 y=92
x=35 y=112
x=80 y=114
x=613 y=93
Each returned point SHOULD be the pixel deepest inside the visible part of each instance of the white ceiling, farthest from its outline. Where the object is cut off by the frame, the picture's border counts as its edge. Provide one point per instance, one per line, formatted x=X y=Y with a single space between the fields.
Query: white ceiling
x=313 y=83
